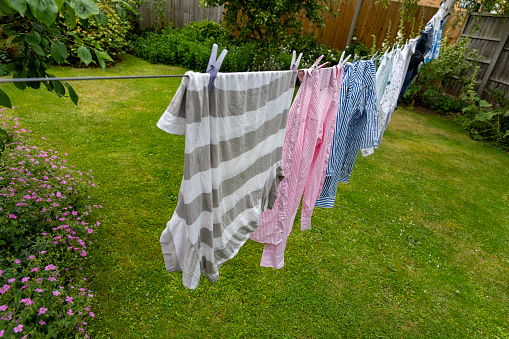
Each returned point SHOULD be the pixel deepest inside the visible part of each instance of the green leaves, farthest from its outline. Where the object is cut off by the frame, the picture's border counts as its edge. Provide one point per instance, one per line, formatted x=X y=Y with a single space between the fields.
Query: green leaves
x=72 y=93
x=86 y=8
x=85 y=55
x=33 y=38
x=58 y=51
x=19 y=5
x=44 y=10
x=100 y=57
x=4 y=99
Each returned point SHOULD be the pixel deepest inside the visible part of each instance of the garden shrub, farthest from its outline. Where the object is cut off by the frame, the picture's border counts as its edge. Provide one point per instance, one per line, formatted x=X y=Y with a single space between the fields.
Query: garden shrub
x=111 y=37
x=483 y=120
x=191 y=46
x=440 y=75
x=45 y=233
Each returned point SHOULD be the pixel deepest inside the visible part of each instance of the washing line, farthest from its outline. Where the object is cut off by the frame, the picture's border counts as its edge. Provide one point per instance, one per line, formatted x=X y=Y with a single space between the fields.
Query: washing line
x=90 y=78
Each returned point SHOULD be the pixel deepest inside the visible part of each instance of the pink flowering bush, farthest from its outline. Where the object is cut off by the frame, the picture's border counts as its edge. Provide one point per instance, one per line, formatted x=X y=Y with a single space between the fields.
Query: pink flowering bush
x=40 y=192
x=41 y=301
x=45 y=234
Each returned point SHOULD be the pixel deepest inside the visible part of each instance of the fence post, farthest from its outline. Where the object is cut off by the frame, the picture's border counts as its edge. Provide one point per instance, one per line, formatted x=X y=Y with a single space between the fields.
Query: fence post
x=493 y=61
x=354 y=21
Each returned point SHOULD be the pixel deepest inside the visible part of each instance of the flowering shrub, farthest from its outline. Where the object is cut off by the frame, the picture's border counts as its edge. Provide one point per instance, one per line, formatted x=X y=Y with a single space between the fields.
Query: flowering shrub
x=40 y=192
x=38 y=300
x=44 y=238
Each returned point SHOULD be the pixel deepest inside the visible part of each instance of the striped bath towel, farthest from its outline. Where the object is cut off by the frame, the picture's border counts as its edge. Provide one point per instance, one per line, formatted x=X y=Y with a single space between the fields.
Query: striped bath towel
x=233 y=165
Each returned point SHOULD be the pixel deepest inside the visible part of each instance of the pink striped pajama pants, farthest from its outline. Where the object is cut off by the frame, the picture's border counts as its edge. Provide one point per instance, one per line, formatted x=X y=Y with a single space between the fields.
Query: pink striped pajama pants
x=309 y=132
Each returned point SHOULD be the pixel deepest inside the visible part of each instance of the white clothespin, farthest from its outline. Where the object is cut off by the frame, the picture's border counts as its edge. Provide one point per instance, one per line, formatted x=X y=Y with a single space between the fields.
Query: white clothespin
x=215 y=64
x=342 y=61
x=294 y=66
x=315 y=65
x=374 y=55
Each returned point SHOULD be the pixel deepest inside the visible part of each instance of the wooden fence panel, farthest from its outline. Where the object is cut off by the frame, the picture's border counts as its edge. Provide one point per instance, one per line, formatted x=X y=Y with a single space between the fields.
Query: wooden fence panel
x=373 y=20
x=489 y=36
x=178 y=12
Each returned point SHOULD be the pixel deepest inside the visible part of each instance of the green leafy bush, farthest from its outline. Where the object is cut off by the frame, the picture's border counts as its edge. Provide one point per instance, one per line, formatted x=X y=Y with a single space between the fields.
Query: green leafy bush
x=110 y=35
x=439 y=76
x=191 y=46
x=483 y=120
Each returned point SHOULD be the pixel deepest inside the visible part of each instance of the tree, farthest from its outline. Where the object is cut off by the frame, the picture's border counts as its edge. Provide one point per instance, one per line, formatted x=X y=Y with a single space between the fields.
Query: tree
x=39 y=29
x=268 y=22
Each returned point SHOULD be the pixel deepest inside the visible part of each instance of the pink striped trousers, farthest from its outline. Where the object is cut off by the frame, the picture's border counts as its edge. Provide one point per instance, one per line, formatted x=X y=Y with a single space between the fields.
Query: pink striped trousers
x=309 y=132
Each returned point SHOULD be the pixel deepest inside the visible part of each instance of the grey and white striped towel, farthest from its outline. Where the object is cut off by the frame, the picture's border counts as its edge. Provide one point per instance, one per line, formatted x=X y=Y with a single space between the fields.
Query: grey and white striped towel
x=233 y=165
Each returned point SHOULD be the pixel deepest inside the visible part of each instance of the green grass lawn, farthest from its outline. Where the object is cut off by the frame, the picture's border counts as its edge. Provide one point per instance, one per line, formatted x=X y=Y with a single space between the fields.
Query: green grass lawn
x=417 y=245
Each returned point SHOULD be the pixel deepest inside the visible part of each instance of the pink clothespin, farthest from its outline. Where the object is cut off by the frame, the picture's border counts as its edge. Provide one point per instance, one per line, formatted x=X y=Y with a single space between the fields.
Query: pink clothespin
x=215 y=64
x=315 y=65
x=294 y=66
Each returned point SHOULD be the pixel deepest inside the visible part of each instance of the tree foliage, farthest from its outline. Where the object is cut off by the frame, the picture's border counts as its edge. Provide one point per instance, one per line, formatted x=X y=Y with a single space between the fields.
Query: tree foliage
x=39 y=31
x=268 y=22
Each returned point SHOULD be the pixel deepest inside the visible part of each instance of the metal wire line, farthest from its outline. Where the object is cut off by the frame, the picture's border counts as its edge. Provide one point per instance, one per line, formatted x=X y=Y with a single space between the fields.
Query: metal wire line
x=90 y=78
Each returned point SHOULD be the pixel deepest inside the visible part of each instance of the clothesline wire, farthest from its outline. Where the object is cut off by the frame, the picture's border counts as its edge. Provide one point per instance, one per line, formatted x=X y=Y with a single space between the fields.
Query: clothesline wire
x=90 y=78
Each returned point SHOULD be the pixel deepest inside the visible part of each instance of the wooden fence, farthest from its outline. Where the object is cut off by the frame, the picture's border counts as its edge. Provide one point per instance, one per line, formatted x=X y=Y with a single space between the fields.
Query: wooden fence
x=178 y=12
x=489 y=36
x=374 y=20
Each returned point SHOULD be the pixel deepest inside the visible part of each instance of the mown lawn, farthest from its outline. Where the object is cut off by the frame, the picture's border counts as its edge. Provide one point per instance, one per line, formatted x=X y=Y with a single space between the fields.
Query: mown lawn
x=417 y=245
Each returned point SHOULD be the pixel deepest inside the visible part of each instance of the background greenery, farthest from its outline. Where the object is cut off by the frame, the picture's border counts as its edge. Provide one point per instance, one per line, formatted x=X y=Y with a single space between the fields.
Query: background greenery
x=416 y=246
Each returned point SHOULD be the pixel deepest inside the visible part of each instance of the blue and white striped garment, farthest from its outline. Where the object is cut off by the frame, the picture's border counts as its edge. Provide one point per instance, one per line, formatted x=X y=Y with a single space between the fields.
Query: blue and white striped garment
x=356 y=127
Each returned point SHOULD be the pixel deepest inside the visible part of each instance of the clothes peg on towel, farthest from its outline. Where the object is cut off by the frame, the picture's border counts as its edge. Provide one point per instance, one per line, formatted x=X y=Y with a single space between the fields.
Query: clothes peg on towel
x=294 y=66
x=315 y=65
x=215 y=64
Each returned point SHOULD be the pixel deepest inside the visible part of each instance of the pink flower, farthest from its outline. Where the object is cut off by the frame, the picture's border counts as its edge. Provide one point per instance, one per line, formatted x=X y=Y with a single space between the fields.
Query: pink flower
x=55 y=293
x=25 y=279
x=11 y=280
x=31 y=257
x=18 y=328
x=39 y=290
x=91 y=314
x=17 y=261
x=4 y=289
x=42 y=310
x=50 y=267
x=3 y=308
x=70 y=312
x=1 y=272
x=2 y=333
x=83 y=254
x=27 y=301
x=52 y=279
x=35 y=269
x=42 y=322
x=68 y=299
x=12 y=216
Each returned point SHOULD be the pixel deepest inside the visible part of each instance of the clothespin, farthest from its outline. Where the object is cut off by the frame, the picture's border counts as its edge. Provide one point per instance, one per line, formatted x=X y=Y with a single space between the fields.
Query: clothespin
x=315 y=65
x=294 y=66
x=215 y=64
x=374 y=55
x=354 y=58
x=343 y=61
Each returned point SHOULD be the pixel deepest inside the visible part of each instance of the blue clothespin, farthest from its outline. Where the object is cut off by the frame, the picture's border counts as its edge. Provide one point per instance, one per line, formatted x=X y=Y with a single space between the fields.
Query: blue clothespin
x=215 y=64
x=294 y=66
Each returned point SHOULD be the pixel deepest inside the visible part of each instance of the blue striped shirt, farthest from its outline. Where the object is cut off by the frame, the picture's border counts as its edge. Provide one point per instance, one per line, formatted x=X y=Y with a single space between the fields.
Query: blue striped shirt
x=356 y=127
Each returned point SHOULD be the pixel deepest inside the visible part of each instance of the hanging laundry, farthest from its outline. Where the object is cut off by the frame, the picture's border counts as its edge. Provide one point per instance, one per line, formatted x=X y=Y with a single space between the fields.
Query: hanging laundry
x=390 y=96
x=307 y=144
x=356 y=127
x=415 y=60
x=233 y=164
x=434 y=29
x=383 y=75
